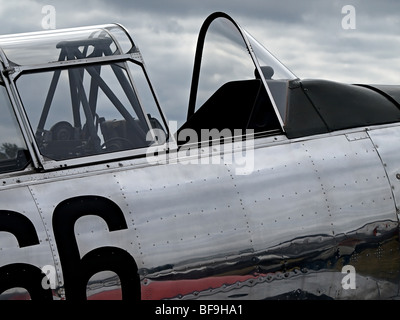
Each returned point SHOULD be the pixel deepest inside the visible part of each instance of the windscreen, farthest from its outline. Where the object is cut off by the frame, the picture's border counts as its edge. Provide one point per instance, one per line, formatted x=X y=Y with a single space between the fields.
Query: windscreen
x=273 y=72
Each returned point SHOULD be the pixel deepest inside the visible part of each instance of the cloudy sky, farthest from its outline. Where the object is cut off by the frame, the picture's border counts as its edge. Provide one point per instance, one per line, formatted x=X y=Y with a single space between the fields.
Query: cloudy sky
x=307 y=36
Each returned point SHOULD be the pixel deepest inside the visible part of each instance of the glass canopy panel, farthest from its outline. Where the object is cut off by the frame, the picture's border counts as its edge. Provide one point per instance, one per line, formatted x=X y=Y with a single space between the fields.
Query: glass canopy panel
x=44 y=47
x=13 y=150
x=225 y=58
x=85 y=111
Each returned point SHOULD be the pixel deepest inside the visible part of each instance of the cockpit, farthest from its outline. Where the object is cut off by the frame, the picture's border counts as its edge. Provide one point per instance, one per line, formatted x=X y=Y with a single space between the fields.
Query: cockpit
x=82 y=92
x=243 y=84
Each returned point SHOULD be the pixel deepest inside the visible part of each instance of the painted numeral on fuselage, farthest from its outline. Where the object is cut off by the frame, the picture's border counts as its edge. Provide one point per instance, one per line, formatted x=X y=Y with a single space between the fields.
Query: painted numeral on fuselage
x=22 y=275
x=77 y=271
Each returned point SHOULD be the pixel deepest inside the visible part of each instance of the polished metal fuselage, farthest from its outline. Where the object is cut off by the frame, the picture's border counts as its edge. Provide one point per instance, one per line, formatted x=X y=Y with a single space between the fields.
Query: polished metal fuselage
x=285 y=229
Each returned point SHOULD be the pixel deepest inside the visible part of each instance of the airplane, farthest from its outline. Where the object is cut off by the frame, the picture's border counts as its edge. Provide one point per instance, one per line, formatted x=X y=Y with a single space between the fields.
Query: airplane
x=274 y=187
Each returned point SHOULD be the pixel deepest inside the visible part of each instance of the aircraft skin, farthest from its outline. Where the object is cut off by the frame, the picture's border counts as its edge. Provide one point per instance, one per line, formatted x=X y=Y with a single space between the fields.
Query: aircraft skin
x=304 y=207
